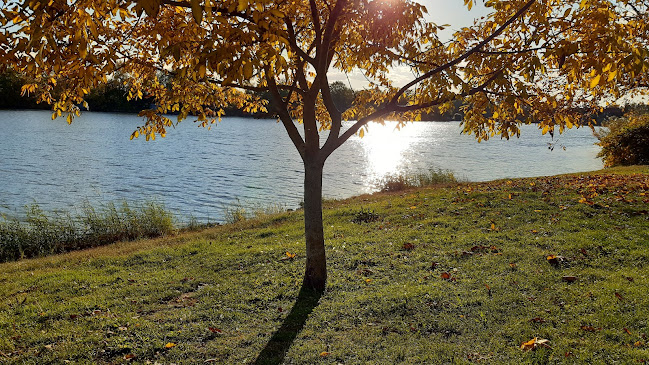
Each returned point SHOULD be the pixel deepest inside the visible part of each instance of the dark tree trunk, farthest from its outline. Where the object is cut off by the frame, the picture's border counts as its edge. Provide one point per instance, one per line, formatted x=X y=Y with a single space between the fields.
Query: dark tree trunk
x=315 y=276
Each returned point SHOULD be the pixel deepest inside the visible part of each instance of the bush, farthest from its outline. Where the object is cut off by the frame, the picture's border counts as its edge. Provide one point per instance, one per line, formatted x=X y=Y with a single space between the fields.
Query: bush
x=421 y=179
x=238 y=212
x=40 y=234
x=626 y=142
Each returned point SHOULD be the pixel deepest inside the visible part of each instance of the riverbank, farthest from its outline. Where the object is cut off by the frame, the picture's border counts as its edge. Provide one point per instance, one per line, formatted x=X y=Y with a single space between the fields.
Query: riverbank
x=466 y=272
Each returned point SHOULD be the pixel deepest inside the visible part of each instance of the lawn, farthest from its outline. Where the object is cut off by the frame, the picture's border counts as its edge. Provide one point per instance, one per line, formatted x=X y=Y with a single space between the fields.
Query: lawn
x=459 y=273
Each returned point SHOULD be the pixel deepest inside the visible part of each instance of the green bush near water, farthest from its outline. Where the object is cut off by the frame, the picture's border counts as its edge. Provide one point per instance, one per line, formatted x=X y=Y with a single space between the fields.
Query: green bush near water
x=626 y=142
x=40 y=234
x=416 y=180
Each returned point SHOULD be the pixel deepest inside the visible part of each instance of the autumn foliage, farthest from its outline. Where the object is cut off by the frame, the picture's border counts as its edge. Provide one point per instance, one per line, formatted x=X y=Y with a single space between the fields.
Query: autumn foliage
x=546 y=61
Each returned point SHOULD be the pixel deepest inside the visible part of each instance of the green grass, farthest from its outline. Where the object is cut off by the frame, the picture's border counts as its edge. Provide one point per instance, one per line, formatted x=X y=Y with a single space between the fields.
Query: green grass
x=220 y=295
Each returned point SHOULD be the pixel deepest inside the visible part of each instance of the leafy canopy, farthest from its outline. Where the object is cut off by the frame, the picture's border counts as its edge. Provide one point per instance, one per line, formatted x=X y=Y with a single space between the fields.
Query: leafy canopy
x=529 y=60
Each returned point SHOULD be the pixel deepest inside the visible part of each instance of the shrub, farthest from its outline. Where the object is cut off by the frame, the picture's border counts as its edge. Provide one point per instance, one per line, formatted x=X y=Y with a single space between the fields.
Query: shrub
x=40 y=234
x=626 y=142
x=420 y=179
x=238 y=212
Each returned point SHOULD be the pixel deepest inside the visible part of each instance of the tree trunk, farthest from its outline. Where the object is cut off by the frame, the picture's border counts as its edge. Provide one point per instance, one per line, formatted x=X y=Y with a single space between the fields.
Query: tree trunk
x=315 y=276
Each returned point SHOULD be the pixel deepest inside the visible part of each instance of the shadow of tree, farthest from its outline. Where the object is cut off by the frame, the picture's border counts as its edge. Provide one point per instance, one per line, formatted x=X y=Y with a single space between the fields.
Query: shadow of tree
x=283 y=338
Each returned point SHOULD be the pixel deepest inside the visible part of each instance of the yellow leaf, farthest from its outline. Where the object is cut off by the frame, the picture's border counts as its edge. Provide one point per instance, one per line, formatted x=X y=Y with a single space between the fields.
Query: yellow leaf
x=361 y=133
x=170 y=345
x=612 y=75
x=529 y=345
x=595 y=81
x=534 y=343
x=243 y=4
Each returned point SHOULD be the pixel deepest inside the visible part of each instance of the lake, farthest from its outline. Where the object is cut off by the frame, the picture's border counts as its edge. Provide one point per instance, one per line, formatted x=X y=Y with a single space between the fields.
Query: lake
x=198 y=172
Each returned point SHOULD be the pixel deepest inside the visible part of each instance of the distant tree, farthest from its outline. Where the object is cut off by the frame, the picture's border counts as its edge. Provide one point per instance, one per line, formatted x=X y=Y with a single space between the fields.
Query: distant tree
x=112 y=96
x=341 y=95
x=11 y=83
x=541 y=60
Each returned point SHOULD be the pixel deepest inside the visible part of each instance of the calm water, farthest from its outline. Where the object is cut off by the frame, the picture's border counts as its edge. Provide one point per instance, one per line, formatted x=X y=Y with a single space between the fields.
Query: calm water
x=197 y=172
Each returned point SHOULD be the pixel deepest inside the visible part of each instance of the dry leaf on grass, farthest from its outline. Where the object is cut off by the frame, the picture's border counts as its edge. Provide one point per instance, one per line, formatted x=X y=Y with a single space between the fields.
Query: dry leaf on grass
x=535 y=343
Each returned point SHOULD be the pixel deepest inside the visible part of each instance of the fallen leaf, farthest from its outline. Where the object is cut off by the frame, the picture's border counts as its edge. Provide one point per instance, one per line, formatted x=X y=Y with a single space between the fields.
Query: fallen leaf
x=324 y=354
x=627 y=330
x=534 y=343
x=619 y=296
x=537 y=320
x=569 y=279
x=129 y=356
x=408 y=246
x=214 y=330
x=446 y=275
x=170 y=345
x=555 y=260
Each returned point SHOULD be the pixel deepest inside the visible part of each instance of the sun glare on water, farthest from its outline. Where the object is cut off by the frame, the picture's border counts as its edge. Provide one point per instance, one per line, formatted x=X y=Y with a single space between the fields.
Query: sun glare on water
x=384 y=149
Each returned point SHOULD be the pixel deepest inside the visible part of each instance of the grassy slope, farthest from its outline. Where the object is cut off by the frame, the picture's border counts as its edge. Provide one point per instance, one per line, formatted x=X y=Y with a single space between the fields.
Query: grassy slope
x=386 y=301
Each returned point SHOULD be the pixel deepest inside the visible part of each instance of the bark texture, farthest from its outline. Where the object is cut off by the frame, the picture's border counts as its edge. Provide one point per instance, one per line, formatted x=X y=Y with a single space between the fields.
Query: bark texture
x=315 y=276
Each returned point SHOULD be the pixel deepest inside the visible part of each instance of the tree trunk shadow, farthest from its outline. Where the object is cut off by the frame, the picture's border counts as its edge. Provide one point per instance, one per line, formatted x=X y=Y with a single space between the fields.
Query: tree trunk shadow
x=283 y=338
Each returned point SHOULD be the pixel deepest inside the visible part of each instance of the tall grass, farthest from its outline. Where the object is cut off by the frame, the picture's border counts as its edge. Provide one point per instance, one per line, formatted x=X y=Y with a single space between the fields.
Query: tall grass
x=419 y=179
x=42 y=234
x=237 y=211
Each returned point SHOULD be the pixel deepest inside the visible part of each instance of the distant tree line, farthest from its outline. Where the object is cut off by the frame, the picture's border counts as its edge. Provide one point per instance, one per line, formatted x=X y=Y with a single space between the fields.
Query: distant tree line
x=113 y=97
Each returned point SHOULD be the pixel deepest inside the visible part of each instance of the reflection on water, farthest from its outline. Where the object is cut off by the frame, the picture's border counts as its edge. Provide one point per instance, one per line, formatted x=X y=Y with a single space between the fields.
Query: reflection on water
x=384 y=151
x=198 y=172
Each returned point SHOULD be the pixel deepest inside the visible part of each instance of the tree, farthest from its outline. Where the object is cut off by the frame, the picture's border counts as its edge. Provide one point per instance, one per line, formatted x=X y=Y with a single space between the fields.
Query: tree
x=10 y=84
x=541 y=60
x=341 y=95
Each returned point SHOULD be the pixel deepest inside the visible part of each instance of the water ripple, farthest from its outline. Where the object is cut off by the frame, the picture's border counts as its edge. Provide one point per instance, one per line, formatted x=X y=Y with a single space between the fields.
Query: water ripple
x=197 y=173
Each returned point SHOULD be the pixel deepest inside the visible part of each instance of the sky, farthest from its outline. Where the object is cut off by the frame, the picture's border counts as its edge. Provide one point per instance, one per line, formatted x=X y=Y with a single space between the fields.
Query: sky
x=452 y=12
